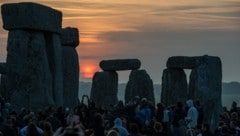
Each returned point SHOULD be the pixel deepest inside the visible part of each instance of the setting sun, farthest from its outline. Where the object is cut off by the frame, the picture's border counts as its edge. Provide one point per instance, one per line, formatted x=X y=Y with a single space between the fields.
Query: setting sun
x=88 y=70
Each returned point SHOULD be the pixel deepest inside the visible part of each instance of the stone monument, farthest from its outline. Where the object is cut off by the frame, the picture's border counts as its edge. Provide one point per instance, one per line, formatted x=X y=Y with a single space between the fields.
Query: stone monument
x=70 y=40
x=33 y=28
x=205 y=84
x=104 y=85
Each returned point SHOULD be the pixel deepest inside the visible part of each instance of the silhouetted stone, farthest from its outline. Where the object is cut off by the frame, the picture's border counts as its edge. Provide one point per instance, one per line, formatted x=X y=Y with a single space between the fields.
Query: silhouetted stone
x=3 y=87
x=120 y=64
x=3 y=69
x=104 y=88
x=69 y=40
x=174 y=86
x=3 y=72
x=139 y=84
x=206 y=85
x=70 y=37
x=184 y=62
x=27 y=15
x=54 y=50
x=29 y=80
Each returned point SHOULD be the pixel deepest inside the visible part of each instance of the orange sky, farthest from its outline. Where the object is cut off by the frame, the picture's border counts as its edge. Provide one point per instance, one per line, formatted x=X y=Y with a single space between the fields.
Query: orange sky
x=151 y=31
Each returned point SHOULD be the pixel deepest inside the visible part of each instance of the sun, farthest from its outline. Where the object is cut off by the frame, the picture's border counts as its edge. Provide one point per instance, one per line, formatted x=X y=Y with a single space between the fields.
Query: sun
x=88 y=70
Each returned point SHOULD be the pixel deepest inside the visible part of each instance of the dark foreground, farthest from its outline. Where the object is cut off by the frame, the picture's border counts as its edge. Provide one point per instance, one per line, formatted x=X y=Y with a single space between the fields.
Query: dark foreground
x=140 y=118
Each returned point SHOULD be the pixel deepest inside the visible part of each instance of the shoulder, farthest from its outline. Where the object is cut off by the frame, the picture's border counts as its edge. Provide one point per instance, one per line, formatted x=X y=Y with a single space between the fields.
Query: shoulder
x=39 y=130
x=24 y=129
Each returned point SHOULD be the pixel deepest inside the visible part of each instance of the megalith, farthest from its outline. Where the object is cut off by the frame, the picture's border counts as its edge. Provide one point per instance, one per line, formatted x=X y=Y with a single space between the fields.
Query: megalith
x=139 y=84
x=174 y=86
x=54 y=54
x=120 y=64
x=104 y=89
x=3 y=68
x=29 y=79
x=34 y=61
x=204 y=85
x=3 y=88
x=183 y=62
x=31 y=16
x=3 y=71
x=70 y=63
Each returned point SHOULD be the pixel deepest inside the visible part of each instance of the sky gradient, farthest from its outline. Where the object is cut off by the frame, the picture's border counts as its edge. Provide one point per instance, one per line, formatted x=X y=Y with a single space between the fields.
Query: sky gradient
x=151 y=31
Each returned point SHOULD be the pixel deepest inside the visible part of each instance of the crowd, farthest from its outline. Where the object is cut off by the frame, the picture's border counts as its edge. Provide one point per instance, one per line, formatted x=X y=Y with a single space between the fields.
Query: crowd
x=138 y=118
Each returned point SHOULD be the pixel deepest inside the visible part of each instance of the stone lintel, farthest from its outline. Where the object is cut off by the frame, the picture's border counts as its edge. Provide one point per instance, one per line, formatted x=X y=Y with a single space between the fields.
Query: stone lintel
x=120 y=64
x=189 y=62
x=70 y=37
x=28 y=15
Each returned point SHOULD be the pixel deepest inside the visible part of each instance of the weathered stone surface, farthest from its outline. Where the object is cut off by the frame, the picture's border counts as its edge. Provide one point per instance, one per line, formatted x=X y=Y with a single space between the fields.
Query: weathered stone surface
x=139 y=84
x=70 y=76
x=184 y=62
x=70 y=37
x=29 y=81
x=3 y=69
x=27 y=15
x=54 y=53
x=104 y=88
x=120 y=64
x=174 y=86
x=205 y=85
x=3 y=87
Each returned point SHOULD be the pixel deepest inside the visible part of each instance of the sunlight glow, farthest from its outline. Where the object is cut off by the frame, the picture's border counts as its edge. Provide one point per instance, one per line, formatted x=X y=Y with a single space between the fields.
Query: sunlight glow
x=142 y=28
x=87 y=70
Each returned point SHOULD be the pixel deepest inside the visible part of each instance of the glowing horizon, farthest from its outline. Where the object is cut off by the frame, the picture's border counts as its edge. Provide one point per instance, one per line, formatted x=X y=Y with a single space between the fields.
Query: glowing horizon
x=151 y=31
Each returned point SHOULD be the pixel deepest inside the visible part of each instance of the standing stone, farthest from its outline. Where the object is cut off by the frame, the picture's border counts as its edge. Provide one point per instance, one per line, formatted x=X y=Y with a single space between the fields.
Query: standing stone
x=54 y=50
x=29 y=81
x=3 y=69
x=174 y=86
x=120 y=64
x=33 y=16
x=206 y=85
x=104 y=89
x=139 y=84
x=3 y=87
x=70 y=40
x=34 y=75
x=70 y=37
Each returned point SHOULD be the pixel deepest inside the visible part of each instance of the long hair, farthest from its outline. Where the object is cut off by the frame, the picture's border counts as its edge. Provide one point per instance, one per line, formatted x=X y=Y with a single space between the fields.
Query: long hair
x=32 y=130
x=47 y=129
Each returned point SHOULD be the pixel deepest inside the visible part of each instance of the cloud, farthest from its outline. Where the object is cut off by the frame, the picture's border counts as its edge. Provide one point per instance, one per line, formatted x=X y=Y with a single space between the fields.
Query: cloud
x=153 y=30
x=235 y=14
x=153 y=48
x=167 y=43
x=231 y=4
x=190 y=7
x=141 y=38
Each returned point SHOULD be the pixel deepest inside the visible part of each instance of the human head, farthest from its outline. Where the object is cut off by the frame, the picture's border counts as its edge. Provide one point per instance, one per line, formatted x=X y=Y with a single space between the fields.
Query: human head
x=113 y=132
x=47 y=127
x=117 y=122
x=158 y=126
x=189 y=103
